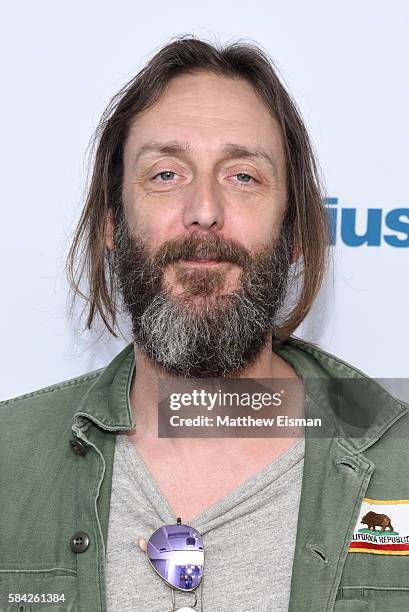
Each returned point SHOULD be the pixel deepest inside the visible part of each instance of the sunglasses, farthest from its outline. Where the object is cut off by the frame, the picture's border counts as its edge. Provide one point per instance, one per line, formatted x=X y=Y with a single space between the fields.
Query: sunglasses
x=176 y=554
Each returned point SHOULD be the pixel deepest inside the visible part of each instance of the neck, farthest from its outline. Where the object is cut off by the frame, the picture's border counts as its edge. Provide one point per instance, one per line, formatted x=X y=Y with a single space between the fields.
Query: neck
x=144 y=389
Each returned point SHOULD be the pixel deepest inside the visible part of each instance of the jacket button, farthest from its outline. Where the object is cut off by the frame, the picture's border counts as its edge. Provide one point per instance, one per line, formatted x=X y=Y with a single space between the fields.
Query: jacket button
x=79 y=542
x=78 y=447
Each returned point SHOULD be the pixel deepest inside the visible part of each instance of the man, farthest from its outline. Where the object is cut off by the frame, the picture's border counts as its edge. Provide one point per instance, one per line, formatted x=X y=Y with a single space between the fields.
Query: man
x=203 y=210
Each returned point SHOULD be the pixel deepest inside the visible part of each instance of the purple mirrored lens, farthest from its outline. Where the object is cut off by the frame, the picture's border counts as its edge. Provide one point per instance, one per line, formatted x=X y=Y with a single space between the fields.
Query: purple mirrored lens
x=176 y=553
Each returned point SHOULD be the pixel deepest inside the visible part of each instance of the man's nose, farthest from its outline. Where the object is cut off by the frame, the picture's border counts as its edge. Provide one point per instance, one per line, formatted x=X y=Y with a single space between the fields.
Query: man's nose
x=204 y=207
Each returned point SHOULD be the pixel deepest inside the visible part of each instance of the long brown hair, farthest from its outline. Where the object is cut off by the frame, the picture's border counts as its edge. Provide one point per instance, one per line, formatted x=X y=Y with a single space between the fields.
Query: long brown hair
x=89 y=258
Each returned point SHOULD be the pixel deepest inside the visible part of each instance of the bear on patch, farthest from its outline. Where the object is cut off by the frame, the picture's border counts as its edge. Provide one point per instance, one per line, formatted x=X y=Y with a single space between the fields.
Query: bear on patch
x=373 y=520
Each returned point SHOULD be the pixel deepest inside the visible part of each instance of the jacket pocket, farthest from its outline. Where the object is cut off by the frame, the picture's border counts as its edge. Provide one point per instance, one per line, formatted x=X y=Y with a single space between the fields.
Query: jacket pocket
x=54 y=590
x=353 y=605
x=39 y=608
x=70 y=607
x=375 y=599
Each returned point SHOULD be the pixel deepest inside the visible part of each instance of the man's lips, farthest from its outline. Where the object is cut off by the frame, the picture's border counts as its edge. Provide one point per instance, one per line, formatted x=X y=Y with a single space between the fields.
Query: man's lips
x=200 y=262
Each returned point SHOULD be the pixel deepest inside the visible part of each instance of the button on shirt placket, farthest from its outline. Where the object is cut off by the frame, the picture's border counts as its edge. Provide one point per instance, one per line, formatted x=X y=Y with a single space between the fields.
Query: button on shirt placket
x=78 y=447
x=82 y=542
x=79 y=541
x=332 y=497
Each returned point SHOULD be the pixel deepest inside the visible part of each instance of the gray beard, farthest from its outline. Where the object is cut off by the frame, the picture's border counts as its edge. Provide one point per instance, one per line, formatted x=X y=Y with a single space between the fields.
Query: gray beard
x=219 y=336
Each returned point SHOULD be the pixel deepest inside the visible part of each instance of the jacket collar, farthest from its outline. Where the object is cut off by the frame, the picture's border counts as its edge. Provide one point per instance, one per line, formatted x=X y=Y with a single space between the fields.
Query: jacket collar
x=106 y=402
x=338 y=392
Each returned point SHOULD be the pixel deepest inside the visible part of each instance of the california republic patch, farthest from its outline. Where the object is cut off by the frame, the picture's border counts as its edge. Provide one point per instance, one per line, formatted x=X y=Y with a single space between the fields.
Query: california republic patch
x=382 y=527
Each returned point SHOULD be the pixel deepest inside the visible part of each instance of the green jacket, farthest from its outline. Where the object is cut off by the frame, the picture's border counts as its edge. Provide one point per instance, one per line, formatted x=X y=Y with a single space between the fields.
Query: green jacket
x=56 y=458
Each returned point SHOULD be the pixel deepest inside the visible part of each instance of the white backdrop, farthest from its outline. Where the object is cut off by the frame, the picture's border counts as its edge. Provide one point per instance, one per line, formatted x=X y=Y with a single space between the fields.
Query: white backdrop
x=344 y=62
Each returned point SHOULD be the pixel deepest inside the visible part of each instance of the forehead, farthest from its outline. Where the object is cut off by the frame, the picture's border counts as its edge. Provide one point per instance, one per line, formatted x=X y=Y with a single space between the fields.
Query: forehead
x=206 y=110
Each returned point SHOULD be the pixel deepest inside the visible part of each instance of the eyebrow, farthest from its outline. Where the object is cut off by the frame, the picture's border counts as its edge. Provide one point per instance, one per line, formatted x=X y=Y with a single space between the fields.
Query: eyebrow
x=230 y=150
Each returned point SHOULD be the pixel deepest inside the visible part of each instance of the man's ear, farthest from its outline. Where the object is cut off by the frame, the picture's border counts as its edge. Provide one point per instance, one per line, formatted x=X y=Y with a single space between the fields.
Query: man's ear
x=109 y=230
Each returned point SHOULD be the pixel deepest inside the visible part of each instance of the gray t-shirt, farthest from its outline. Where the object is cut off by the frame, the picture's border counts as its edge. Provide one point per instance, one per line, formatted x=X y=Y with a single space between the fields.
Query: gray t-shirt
x=248 y=539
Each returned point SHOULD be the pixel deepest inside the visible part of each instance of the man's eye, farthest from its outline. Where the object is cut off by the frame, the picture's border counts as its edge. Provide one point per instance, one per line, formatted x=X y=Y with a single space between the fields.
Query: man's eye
x=243 y=177
x=166 y=175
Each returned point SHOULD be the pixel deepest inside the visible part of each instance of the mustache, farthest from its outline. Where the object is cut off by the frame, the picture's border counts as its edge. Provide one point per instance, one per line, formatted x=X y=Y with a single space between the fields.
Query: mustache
x=196 y=246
